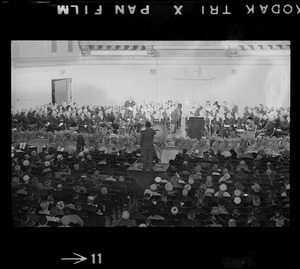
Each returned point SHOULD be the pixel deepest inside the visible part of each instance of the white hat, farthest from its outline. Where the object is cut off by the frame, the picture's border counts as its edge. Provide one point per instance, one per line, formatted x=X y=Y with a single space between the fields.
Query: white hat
x=237 y=200
x=157 y=179
x=86 y=150
x=81 y=154
x=191 y=180
x=227 y=176
x=169 y=186
x=222 y=179
x=237 y=192
x=187 y=187
x=185 y=192
x=26 y=178
x=174 y=210
x=59 y=157
x=25 y=162
x=223 y=187
x=197 y=151
x=125 y=215
x=142 y=225
x=148 y=191
x=153 y=187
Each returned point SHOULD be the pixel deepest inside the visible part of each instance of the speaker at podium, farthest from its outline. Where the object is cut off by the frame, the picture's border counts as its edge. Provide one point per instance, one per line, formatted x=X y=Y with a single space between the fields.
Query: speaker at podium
x=196 y=127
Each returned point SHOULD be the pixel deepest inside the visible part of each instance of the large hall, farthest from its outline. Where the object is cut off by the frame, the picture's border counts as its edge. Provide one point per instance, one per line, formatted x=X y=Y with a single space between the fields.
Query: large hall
x=220 y=111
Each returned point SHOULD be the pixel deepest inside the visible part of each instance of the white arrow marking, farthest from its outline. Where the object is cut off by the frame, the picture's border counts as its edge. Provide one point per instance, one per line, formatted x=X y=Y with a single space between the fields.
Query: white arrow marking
x=80 y=258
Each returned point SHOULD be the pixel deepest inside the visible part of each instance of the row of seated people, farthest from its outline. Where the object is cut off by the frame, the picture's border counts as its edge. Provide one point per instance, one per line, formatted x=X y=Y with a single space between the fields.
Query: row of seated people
x=69 y=189
x=267 y=124
x=49 y=166
x=88 y=118
x=242 y=193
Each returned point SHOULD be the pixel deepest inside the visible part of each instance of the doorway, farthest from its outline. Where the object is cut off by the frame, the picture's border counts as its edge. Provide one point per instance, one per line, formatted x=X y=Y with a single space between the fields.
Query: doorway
x=61 y=91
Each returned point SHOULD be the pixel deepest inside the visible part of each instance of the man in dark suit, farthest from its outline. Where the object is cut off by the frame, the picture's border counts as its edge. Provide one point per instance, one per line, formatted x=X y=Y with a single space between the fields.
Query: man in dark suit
x=147 y=145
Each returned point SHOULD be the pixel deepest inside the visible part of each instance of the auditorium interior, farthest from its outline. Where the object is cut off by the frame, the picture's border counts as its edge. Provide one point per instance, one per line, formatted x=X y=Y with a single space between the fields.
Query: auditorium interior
x=220 y=109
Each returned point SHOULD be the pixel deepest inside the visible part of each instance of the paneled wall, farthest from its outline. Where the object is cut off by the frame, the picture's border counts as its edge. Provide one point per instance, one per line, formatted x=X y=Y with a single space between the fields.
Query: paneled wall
x=187 y=80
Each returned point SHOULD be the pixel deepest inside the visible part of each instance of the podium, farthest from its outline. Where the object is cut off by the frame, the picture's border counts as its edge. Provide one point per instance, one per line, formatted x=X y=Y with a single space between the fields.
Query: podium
x=196 y=127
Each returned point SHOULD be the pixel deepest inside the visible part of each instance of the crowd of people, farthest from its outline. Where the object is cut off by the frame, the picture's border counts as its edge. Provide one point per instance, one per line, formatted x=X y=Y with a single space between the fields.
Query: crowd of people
x=222 y=120
x=216 y=192
x=227 y=121
x=82 y=188
x=66 y=189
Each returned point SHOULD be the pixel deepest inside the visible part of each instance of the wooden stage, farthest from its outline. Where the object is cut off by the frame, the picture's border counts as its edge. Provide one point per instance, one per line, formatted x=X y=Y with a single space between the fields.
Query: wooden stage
x=144 y=177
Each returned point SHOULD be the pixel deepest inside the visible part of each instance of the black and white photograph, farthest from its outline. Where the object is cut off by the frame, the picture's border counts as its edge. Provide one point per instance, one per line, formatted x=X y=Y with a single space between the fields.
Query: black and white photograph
x=174 y=118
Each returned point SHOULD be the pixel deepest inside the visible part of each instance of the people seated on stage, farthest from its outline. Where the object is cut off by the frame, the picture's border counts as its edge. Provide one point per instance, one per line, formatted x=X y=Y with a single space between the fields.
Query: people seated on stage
x=270 y=126
x=283 y=127
x=250 y=125
x=222 y=120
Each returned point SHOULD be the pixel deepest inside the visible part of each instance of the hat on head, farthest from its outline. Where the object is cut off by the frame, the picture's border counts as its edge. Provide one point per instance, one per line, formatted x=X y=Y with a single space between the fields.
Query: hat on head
x=203 y=187
x=237 y=200
x=198 y=168
x=242 y=162
x=215 y=210
x=26 y=178
x=153 y=187
x=188 y=187
x=185 y=192
x=81 y=154
x=60 y=205
x=157 y=179
x=227 y=176
x=17 y=167
x=54 y=211
x=209 y=182
x=222 y=179
x=125 y=215
x=25 y=163
x=102 y=149
x=174 y=179
x=104 y=190
x=223 y=187
x=191 y=181
x=185 y=163
x=225 y=170
x=65 y=220
x=174 y=210
x=59 y=157
x=237 y=192
x=169 y=186
x=197 y=151
x=239 y=186
x=47 y=157
x=86 y=151
x=47 y=163
x=142 y=225
x=15 y=180
x=256 y=187
x=215 y=167
x=232 y=223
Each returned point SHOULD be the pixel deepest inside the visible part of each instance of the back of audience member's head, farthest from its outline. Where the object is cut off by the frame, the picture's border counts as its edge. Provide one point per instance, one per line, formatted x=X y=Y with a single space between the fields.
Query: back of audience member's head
x=148 y=124
x=184 y=151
